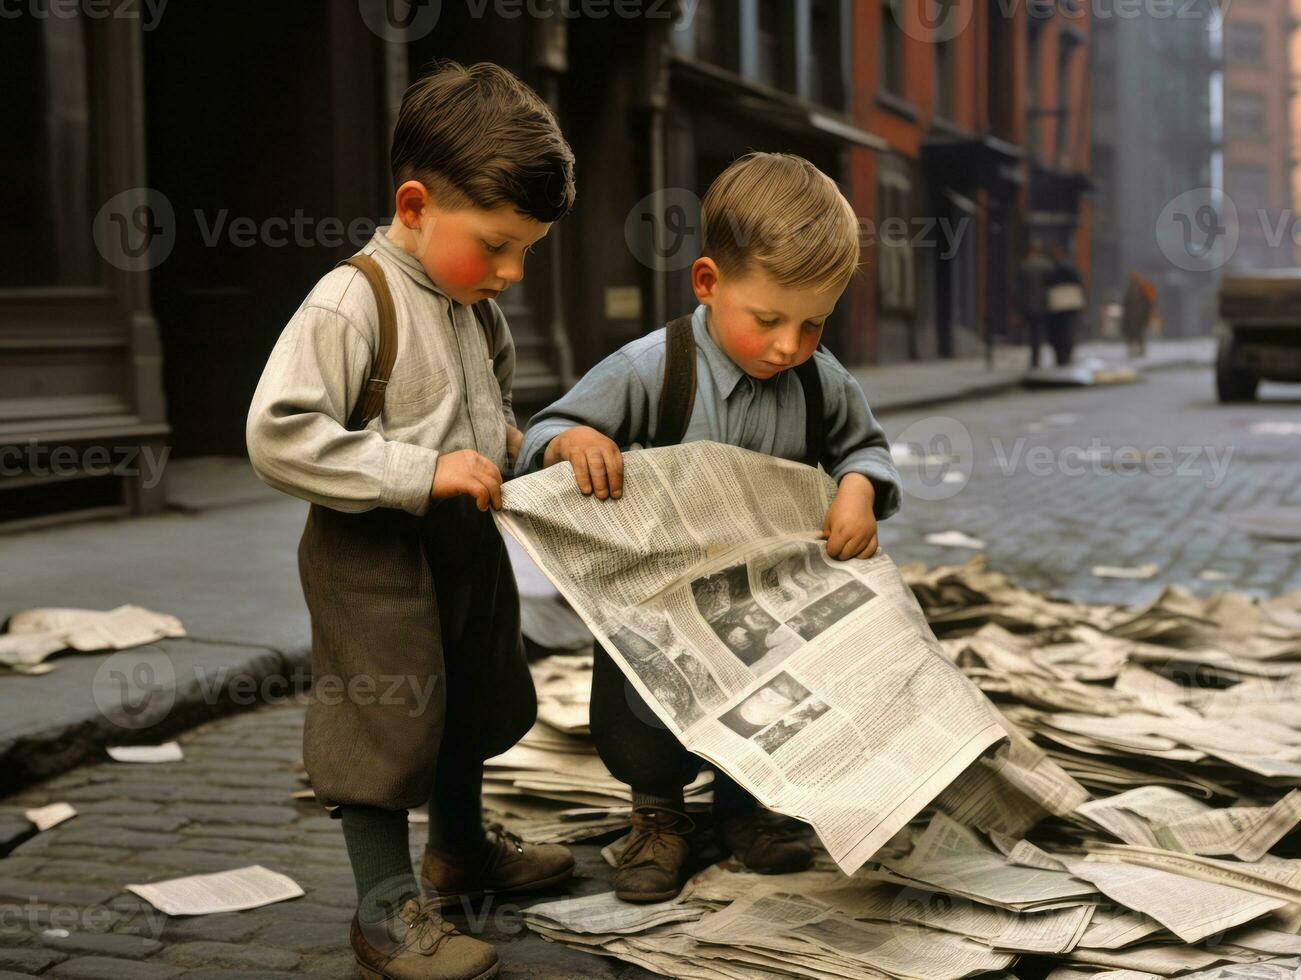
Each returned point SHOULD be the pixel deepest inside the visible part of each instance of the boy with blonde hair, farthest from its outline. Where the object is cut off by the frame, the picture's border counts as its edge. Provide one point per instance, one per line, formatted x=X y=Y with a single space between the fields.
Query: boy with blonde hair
x=780 y=246
x=387 y=404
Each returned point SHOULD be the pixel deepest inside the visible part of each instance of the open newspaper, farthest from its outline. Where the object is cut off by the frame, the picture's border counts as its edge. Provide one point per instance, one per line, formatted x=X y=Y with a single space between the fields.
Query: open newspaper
x=815 y=684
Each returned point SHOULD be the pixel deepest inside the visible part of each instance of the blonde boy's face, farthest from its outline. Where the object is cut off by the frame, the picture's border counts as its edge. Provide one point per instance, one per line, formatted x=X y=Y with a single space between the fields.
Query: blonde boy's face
x=764 y=327
x=470 y=253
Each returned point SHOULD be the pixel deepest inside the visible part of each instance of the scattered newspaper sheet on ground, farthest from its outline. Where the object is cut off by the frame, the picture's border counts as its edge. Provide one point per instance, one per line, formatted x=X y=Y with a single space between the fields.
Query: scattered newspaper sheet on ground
x=816 y=684
x=1182 y=720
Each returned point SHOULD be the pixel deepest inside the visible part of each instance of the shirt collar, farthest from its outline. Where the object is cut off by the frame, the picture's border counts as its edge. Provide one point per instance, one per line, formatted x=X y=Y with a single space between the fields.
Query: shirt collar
x=404 y=259
x=724 y=370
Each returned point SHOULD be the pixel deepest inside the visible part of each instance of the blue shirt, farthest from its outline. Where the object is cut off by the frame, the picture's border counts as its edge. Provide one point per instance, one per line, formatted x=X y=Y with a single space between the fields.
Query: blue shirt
x=620 y=397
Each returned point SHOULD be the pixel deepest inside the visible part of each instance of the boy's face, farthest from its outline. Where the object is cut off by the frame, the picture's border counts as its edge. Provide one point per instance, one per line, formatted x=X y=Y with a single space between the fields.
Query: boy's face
x=470 y=253
x=764 y=327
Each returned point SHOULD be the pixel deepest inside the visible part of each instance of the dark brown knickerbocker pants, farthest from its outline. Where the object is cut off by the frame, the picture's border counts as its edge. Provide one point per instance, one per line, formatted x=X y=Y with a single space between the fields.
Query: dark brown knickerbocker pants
x=416 y=650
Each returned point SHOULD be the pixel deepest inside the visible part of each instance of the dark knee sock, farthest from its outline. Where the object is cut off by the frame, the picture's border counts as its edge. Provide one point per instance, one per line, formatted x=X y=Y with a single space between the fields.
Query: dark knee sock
x=730 y=800
x=456 y=808
x=664 y=800
x=380 y=855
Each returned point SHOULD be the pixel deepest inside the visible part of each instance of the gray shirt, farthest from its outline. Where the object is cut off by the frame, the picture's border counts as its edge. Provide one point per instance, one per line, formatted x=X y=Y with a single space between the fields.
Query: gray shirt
x=450 y=389
x=620 y=397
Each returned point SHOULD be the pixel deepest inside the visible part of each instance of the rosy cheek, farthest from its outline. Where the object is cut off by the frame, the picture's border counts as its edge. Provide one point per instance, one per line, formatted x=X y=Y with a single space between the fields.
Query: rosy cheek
x=748 y=343
x=463 y=269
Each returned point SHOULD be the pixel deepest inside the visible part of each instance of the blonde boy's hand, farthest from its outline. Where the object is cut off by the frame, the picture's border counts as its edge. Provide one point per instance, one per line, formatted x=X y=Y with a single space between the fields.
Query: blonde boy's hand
x=466 y=472
x=514 y=439
x=850 y=527
x=597 y=462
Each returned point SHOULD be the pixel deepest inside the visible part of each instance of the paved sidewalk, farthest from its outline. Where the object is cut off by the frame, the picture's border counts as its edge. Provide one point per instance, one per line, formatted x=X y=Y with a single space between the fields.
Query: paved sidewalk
x=230 y=575
x=896 y=387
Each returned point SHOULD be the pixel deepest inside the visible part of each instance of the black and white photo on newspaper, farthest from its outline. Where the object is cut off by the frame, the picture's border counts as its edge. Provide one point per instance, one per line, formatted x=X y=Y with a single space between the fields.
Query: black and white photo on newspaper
x=814 y=683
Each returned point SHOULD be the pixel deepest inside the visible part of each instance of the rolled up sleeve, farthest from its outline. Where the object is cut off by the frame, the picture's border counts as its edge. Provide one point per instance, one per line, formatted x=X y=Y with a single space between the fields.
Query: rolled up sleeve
x=856 y=443
x=296 y=432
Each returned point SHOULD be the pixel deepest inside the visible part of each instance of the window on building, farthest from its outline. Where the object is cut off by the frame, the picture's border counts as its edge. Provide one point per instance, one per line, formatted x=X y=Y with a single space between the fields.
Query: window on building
x=825 y=58
x=1033 y=114
x=895 y=265
x=1246 y=43
x=944 y=78
x=47 y=156
x=1246 y=116
x=891 y=48
x=1065 y=102
x=1248 y=188
x=768 y=50
x=776 y=44
x=708 y=30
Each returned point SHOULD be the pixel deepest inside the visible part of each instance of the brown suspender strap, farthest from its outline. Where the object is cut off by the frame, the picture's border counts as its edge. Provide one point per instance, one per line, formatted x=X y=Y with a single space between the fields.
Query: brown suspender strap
x=815 y=412
x=678 y=394
x=371 y=401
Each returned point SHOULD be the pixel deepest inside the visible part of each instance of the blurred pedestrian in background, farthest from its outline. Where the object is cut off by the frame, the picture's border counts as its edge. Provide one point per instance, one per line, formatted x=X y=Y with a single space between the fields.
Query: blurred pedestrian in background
x=1065 y=301
x=1032 y=297
x=1140 y=299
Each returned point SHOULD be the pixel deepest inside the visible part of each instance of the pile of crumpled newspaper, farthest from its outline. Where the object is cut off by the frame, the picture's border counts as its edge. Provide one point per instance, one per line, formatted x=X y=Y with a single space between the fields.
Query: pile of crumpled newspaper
x=1181 y=719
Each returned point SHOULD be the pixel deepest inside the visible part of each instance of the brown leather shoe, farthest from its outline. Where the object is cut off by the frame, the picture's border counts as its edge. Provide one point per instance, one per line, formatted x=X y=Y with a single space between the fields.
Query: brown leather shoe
x=653 y=867
x=765 y=842
x=507 y=864
x=417 y=944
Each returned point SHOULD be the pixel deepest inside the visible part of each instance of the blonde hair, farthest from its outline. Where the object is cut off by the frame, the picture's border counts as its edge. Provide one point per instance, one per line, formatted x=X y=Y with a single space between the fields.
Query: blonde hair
x=780 y=213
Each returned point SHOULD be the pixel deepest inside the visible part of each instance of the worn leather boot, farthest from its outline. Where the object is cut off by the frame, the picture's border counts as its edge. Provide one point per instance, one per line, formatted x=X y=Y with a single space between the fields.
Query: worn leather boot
x=507 y=864
x=418 y=944
x=653 y=867
x=766 y=843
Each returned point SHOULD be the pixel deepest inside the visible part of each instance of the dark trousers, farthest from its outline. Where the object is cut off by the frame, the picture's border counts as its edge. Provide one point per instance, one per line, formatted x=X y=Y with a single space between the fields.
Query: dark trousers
x=1035 y=328
x=417 y=661
x=1061 y=336
x=639 y=750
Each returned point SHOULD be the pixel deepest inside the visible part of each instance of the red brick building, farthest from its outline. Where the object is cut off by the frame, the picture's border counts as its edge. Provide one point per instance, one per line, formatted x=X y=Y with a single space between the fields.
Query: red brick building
x=984 y=109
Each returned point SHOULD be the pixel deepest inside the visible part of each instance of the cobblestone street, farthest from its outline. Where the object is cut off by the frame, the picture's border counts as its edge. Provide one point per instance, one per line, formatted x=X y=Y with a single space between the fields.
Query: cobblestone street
x=227 y=805
x=1155 y=472
x=1052 y=491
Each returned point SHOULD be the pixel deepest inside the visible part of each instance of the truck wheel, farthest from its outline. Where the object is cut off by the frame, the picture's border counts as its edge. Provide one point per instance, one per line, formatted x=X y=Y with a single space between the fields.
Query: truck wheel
x=1232 y=383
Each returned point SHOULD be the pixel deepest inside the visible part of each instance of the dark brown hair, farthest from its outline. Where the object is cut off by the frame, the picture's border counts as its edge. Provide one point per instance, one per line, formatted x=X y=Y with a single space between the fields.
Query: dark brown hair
x=479 y=136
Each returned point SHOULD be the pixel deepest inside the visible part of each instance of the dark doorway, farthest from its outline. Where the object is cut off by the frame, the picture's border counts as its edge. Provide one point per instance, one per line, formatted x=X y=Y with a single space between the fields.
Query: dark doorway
x=270 y=156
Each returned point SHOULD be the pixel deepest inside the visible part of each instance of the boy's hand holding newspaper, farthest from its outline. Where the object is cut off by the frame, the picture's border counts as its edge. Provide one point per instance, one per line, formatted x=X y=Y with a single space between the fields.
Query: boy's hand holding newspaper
x=850 y=527
x=597 y=462
x=467 y=472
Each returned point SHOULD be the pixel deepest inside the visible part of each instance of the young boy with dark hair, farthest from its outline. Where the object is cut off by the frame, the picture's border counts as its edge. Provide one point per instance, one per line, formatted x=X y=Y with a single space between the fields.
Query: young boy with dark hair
x=386 y=403
x=780 y=246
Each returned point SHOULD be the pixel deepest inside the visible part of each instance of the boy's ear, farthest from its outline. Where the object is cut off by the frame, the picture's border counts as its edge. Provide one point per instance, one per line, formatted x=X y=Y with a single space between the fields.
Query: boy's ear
x=704 y=278
x=410 y=201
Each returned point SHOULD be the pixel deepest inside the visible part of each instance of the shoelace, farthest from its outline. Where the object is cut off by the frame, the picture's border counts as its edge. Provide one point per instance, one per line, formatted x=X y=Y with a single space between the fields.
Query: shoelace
x=645 y=843
x=510 y=837
x=436 y=931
